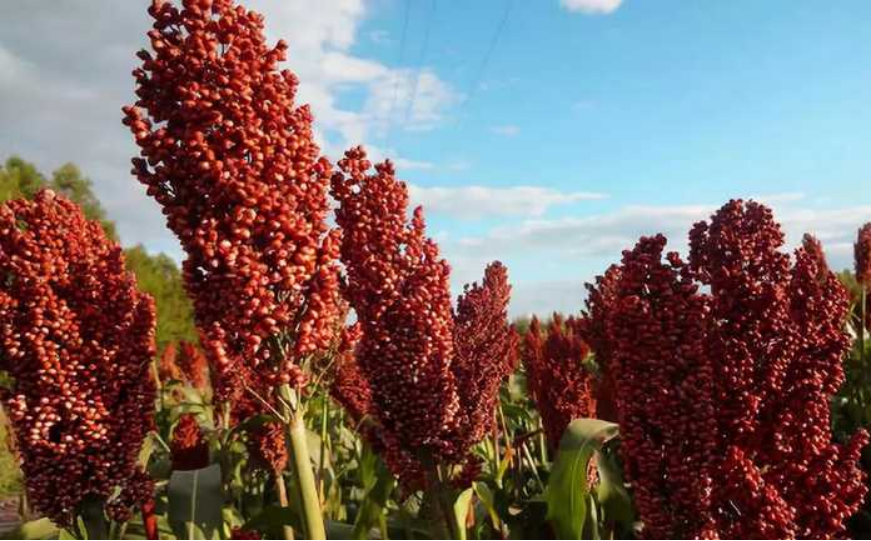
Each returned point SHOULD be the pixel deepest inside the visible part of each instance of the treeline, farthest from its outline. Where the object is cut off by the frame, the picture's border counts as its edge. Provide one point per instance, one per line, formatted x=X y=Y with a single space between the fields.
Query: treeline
x=156 y=274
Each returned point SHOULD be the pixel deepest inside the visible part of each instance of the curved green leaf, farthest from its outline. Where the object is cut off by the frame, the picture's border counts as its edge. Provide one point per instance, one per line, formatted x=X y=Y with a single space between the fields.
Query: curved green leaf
x=41 y=528
x=567 y=493
x=196 y=501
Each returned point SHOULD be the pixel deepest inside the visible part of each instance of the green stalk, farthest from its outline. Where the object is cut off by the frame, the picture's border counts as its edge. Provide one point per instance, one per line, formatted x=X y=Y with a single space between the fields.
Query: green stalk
x=325 y=412
x=93 y=518
x=313 y=518
x=446 y=503
x=281 y=489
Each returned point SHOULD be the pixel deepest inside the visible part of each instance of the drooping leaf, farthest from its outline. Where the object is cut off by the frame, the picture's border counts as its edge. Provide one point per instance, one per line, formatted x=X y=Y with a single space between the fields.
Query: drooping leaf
x=567 y=493
x=195 y=503
x=271 y=521
x=611 y=491
x=461 y=510
x=486 y=496
x=41 y=528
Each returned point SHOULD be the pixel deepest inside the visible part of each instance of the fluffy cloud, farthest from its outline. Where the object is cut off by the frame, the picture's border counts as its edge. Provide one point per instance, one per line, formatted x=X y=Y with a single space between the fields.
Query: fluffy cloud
x=60 y=99
x=469 y=202
x=594 y=7
x=508 y=131
x=588 y=244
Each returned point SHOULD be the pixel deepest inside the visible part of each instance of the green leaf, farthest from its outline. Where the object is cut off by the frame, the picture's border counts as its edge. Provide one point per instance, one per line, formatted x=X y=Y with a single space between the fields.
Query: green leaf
x=461 y=510
x=271 y=521
x=196 y=502
x=41 y=528
x=378 y=484
x=92 y=519
x=567 y=492
x=486 y=496
x=611 y=491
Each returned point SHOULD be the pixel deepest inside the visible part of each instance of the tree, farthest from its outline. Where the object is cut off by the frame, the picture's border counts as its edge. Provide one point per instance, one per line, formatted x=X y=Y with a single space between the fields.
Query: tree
x=159 y=276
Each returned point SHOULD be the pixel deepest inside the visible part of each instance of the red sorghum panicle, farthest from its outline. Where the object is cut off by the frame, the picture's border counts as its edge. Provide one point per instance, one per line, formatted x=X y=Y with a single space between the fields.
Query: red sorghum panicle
x=426 y=378
x=662 y=378
x=267 y=447
x=193 y=365
x=559 y=383
x=862 y=255
x=189 y=448
x=398 y=287
x=485 y=353
x=747 y=370
x=78 y=339
x=167 y=367
x=233 y=164
x=600 y=301
x=240 y=533
x=738 y=256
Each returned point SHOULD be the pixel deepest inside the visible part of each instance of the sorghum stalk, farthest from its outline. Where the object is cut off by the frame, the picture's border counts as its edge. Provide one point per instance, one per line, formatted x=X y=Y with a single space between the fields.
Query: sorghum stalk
x=300 y=460
x=281 y=490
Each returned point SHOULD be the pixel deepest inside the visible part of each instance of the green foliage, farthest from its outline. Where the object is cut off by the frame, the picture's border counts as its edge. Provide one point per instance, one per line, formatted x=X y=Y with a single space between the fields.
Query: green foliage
x=69 y=182
x=159 y=276
x=571 y=503
x=10 y=474
x=41 y=528
x=19 y=178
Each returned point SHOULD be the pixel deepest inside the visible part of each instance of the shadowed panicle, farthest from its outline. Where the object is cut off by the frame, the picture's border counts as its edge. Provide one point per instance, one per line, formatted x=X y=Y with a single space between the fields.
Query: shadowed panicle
x=426 y=378
x=232 y=162
x=601 y=297
x=563 y=389
x=167 y=366
x=723 y=396
x=398 y=287
x=485 y=353
x=862 y=255
x=189 y=448
x=241 y=533
x=193 y=365
x=78 y=339
x=663 y=382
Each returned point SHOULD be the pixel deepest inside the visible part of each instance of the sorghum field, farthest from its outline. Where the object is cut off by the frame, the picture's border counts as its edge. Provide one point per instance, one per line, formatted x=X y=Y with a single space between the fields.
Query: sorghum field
x=311 y=376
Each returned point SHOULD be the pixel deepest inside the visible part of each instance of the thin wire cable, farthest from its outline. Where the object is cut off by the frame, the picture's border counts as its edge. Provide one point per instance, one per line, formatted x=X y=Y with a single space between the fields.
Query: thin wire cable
x=485 y=62
x=399 y=65
x=423 y=52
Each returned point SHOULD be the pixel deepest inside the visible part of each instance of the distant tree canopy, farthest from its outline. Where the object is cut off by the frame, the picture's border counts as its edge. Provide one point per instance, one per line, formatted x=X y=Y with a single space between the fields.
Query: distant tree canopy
x=157 y=275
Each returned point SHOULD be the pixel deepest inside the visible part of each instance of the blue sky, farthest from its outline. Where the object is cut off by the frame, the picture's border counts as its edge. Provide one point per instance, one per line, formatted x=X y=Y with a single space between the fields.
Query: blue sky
x=549 y=134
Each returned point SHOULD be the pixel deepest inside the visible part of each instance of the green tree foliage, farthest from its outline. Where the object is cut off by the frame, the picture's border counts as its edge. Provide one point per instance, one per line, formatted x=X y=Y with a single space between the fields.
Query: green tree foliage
x=19 y=178
x=69 y=182
x=159 y=276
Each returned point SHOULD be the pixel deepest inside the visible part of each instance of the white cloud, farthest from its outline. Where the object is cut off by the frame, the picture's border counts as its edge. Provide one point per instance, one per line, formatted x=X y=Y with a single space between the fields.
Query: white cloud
x=60 y=100
x=592 y=7
x=508 y=130
x=380 y=37
x=470 y=202
x=589 y=244
x=412 y=100
x=404 y=164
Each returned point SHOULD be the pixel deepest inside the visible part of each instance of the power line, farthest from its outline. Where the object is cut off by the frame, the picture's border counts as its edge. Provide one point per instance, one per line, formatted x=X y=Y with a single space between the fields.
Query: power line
x=399 y=64
x=485 y=62
x=423 y=52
